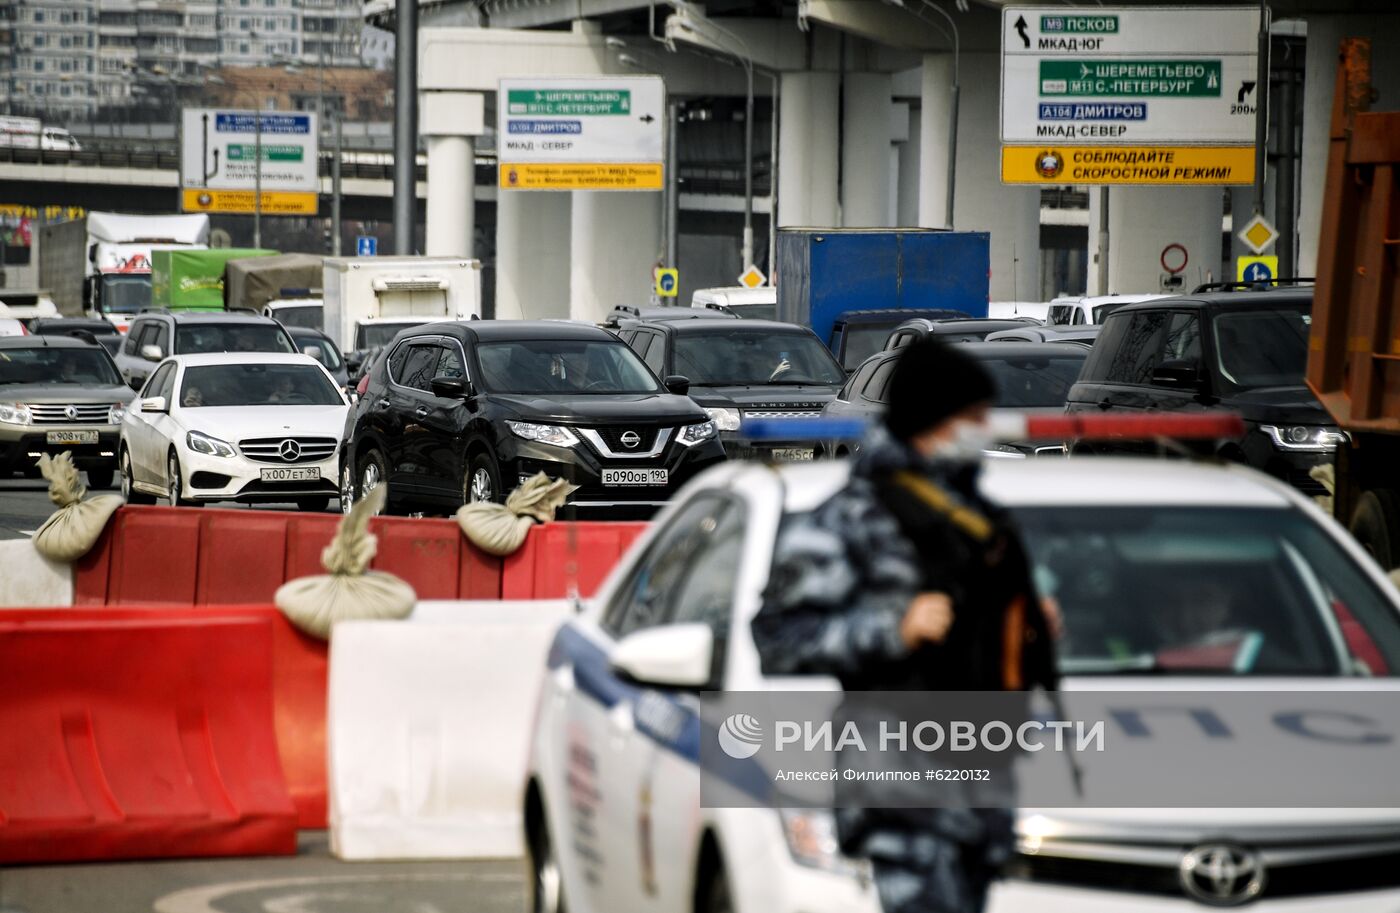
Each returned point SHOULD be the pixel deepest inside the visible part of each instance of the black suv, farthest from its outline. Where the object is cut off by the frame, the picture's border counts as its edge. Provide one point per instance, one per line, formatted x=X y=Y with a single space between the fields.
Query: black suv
x=1242 y=352
x=464 y=411
x=158 y=333
x=741 y=369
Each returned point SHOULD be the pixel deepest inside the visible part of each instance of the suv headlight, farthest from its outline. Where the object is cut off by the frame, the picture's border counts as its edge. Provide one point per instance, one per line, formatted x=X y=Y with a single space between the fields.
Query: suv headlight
x=209 y=446
x=14 y=413
x=1304 y=437
x=545 y=434
x=811 y=840
x=724 y=419
x=116 y=414
x=697 y=434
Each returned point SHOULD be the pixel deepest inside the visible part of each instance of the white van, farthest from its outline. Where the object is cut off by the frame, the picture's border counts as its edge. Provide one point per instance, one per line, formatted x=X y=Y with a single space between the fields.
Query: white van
x=1074 y=310
x=755 y=303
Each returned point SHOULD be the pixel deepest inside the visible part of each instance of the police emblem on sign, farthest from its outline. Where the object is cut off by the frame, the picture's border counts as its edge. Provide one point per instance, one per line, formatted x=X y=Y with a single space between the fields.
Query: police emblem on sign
x=1049 y=164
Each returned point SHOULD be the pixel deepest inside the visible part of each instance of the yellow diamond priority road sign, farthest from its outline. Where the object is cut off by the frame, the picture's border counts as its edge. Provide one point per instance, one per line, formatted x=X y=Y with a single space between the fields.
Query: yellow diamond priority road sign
x=752 y=278
x=1258 y=234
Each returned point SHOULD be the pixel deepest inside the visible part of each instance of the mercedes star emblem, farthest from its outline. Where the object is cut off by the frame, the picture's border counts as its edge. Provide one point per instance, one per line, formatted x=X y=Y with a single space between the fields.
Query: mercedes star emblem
x=1221 y=874
x=290 y=450
x=630 y=439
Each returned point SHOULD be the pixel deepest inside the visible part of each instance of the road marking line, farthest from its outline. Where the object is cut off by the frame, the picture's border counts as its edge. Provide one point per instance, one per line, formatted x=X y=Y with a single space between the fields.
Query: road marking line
x=201 y=899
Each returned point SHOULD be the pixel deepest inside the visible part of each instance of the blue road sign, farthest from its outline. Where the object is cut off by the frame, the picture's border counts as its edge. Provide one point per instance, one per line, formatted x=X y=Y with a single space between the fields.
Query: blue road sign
x=366 y=246
x=1258 y=272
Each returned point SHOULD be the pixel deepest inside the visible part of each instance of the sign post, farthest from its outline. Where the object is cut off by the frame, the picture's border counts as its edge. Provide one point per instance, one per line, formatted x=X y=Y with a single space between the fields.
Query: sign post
x=1129 y=95
x=237 y=161
x=596 y=133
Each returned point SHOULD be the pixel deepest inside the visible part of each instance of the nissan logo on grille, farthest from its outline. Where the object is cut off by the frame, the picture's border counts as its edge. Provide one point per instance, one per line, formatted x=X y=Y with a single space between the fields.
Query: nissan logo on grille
x=1221 y=875
x=289 y=450
x=630 y=439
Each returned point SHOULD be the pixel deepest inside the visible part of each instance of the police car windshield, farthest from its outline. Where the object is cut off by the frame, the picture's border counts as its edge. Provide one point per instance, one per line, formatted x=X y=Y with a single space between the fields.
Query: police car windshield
x=1263 y=348
x=257 y=385
x=1034 y=381
x=754 y=357
x=564 y=366
x=231 y=337
x=1220 y=591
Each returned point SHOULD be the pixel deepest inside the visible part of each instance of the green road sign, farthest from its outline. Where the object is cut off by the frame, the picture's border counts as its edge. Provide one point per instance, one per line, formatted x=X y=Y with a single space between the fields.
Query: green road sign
x=1080 y=25
x=1130 y=78
x=244 y=152
x=569 y=102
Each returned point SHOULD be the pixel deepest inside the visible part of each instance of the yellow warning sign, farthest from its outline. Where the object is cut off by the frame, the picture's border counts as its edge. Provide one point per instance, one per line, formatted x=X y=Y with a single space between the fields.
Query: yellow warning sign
x=580 y=176
x=274 y=202
x=1199 y=165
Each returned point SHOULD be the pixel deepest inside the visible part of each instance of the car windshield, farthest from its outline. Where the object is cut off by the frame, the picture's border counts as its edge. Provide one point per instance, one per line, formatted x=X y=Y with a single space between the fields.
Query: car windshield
x=747 y=356
x=864 y=340
x=88 y=366
x=1263 y=348
x=326 y=352
x=564 y=366
x=1062 y=314
x=1027 y=381
x=1103 y=310
x=231 y=337
x=257 y=385
x=378 y=335
x=310 y=316
x=1208 y=590
x=126 y=294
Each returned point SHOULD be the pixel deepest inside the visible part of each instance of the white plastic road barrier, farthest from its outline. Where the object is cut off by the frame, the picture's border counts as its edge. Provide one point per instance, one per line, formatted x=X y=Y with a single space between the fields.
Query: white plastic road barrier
x=428 y=728
x=28 y=579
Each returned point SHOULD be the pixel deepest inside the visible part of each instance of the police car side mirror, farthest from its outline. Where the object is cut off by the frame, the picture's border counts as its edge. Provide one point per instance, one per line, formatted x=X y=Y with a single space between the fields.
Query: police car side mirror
x=669 y=656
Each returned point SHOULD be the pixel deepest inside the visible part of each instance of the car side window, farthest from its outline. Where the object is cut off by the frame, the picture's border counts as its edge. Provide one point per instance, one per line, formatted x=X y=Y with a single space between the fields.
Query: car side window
x=133 y=334
x=162 y=339
x=645 y=598
x=640 y=343
x=874 y=390
x=166 y=388
x=857 y=382
x=1139 y=350
x=656 y=354
x=396 y=360
x=154 y=382
x=705 y=591
x=419 y=366
x=450 y=363
x=1183 y=339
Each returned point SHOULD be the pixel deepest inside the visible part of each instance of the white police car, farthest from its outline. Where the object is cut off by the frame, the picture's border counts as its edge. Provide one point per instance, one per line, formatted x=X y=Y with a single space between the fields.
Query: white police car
x=612 y=810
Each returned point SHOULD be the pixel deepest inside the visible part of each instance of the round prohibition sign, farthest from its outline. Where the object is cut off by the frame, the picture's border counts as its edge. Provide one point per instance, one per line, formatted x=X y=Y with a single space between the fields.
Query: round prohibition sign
x=1171 y=254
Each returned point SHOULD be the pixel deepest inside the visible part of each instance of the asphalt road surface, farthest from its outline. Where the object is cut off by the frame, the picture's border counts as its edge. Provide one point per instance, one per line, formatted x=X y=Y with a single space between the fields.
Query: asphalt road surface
x=311 y=882
x=24 y=504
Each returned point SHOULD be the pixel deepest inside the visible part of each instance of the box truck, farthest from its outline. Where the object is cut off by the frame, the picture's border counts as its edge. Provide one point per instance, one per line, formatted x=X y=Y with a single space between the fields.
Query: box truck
x=193 y=280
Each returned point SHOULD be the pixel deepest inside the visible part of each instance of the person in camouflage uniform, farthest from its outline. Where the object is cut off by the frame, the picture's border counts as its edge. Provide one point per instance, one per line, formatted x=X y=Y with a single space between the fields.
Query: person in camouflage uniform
x=908 y=579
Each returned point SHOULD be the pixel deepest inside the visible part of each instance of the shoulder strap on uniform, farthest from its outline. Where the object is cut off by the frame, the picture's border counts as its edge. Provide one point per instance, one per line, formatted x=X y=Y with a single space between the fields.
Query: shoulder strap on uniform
x=965 y=518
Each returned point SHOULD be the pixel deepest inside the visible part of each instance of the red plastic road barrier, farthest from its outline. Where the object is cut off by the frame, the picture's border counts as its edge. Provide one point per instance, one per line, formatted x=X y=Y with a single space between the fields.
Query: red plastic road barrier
x=558 y=554
x=184 y=556
x=1019 y=426
x=134 y=738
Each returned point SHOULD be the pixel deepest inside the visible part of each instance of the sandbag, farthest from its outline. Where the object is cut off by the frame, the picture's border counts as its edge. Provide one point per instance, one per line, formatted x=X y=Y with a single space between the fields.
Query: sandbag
x=73 y=529
x=347 y=590
x=500 y=529
x=1326 y=476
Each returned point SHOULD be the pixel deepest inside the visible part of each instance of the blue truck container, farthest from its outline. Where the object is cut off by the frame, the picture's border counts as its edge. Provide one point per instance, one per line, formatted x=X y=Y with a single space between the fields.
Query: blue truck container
x=826 y=272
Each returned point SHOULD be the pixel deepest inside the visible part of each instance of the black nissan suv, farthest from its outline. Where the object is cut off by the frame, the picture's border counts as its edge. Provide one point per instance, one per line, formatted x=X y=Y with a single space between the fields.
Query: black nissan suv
x=1243 y=352
x=464 y=411
x=741 y=369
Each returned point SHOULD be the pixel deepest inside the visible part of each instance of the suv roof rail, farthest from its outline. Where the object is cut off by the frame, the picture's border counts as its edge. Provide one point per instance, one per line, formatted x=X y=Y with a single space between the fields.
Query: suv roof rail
x=1261 y=285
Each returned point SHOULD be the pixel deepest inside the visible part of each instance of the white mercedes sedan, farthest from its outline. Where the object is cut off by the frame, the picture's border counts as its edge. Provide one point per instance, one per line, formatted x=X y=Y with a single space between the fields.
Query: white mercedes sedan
x=250 y=427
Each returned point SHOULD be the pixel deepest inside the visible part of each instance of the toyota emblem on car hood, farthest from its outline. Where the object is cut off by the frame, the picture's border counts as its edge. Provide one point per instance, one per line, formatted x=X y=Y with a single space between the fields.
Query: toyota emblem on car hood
x=630 y=439
x=1221 y=874
x=290 y=450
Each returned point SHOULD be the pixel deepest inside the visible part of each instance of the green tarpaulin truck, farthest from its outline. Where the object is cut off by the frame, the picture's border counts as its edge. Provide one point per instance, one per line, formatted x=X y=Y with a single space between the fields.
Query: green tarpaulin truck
x=193 y=280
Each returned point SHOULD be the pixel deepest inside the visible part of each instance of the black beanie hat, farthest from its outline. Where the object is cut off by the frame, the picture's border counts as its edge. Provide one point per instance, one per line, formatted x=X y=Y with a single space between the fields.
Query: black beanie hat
x=933 y=380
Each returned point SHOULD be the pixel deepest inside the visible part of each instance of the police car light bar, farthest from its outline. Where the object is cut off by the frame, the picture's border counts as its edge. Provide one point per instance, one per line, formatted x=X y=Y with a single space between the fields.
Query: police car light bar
x=1023 y=426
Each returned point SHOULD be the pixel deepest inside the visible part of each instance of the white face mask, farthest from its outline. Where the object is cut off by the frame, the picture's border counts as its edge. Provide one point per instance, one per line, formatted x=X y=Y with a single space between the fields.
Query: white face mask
x=967 y=443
